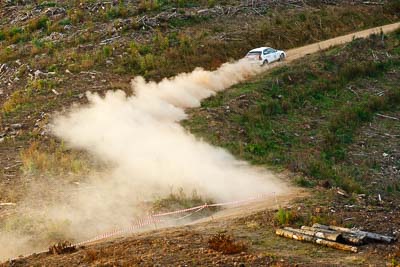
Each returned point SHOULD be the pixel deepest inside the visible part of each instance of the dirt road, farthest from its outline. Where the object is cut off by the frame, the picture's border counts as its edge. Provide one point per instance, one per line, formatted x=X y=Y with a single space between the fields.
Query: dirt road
x=297 y=53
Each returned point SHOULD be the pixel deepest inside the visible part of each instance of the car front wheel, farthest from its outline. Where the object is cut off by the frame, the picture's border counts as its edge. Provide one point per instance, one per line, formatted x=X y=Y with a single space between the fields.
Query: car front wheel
x=282 y=57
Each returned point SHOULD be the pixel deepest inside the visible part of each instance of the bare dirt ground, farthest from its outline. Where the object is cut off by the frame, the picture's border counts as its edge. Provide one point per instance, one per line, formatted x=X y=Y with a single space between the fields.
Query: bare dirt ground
x=187 y=245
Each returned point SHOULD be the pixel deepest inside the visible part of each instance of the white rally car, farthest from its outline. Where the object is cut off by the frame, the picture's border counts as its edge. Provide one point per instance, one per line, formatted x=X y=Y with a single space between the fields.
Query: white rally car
x=265 y=55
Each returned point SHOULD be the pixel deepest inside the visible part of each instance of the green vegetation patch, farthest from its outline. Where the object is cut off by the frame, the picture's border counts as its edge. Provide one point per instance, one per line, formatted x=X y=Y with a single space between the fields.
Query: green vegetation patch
x=304 y=116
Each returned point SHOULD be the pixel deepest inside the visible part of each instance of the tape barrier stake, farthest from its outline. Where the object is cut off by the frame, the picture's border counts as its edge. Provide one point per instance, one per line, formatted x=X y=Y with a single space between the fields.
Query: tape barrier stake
x=153 y=220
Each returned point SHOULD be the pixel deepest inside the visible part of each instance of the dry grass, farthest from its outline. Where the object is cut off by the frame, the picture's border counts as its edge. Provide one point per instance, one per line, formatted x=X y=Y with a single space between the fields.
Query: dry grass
x=180 y=200
x=15 y=101
x=55 y=159
x=91 y=255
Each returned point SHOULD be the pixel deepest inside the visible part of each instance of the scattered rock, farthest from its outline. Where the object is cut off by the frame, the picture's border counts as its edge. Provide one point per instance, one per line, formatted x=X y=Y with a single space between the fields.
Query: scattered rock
x=3 y=67
x=67 y=27
x=55 y=12
x=54 y=37
x=341 y=192
x=16 y=126
x=39 y=74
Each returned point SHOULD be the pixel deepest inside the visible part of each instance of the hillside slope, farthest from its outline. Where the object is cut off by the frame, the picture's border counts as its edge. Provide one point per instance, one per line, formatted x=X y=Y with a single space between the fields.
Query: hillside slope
x=53 y=52
x=188 y=244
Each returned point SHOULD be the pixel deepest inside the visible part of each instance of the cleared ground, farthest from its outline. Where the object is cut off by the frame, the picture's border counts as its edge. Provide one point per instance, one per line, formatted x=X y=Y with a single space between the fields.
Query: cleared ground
x=188 y=245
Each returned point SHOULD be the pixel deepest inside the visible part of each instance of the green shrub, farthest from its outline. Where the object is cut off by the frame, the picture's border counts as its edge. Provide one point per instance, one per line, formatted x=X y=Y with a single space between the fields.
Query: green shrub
x=272 y=107
x=349 y=184
x=107 y=51
x=393 y=7
x=47 y=4
x=41 y=23
x=15 y=101
x=148 y=5
x=15 y=31
x=319 y=169
x=181 y=3
x=286 y=217
x=256 y=149
x=117 y=12
x=303 y=182
x=65 y=22
x=37 y=43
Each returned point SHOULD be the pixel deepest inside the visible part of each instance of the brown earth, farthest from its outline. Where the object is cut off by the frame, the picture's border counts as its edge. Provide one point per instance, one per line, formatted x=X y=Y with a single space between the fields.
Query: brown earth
x=187 y=245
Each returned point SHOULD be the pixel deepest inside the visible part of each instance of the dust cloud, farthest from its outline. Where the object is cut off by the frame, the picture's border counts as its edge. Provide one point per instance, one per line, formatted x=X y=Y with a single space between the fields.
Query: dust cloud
x=149 y=152
x=141 y=137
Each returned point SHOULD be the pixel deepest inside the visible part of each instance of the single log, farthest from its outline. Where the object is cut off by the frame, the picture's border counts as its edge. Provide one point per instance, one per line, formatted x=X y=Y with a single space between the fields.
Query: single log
x=318 y=229
x=374 y=236
x=334 y=236
x=353 y=239
x=346 y=237
x=312 y=239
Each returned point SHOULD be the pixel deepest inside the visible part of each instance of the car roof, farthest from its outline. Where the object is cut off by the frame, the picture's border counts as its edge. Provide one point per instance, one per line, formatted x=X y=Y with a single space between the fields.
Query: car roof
x=260 y=49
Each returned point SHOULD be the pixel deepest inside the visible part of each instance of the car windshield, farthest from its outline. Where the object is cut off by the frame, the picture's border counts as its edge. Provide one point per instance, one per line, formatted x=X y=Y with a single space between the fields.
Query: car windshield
x=253 y=54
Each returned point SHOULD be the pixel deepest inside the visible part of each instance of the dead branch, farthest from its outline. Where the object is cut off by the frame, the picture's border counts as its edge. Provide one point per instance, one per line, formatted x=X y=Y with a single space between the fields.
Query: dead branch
x=387 y=117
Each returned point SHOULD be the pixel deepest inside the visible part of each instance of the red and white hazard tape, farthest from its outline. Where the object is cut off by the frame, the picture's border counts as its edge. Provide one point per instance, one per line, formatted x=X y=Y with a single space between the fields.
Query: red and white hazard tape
x=149 y=220
x=153 y=219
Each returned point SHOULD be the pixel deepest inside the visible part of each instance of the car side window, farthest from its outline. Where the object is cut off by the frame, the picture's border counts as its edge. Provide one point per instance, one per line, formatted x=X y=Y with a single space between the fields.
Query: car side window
x=265 y=51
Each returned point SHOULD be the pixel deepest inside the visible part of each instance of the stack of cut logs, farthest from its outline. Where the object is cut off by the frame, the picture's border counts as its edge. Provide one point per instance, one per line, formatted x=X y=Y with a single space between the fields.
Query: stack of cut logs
x=333 y=236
